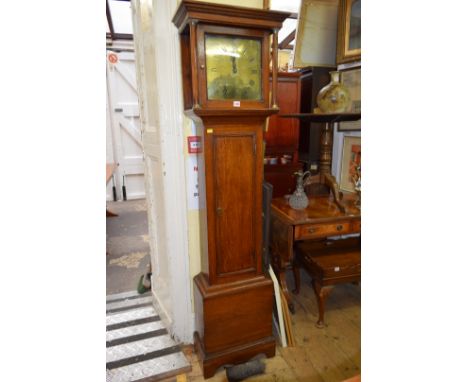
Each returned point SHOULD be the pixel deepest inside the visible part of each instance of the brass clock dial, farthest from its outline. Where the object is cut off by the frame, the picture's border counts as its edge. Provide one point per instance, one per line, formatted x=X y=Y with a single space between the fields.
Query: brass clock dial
x=233 y=68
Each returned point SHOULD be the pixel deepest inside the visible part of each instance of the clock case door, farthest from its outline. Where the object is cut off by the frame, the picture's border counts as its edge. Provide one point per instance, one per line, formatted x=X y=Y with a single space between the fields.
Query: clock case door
x=233 y=165
x=262 y=36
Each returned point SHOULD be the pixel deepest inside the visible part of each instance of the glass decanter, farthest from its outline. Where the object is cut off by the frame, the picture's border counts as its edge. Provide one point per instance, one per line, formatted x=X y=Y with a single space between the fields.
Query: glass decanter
x=298 y=200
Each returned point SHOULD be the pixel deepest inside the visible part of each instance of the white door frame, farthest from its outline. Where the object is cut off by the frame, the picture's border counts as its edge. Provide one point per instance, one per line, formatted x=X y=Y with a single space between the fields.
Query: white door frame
x=159 y=81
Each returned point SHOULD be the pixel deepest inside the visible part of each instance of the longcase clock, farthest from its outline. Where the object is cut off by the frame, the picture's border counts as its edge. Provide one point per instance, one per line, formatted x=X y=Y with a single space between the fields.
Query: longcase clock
x=226 y=55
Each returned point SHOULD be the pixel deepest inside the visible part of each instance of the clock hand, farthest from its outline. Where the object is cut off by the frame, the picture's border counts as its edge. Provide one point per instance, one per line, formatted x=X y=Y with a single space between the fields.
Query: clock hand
x=234 y=66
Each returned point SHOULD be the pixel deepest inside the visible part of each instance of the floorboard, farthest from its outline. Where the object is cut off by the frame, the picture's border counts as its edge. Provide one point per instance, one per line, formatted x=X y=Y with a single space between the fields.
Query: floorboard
x=320 y=355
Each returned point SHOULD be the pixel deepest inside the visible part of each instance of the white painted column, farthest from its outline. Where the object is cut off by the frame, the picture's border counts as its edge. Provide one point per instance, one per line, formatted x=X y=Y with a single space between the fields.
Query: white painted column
x=159 y=81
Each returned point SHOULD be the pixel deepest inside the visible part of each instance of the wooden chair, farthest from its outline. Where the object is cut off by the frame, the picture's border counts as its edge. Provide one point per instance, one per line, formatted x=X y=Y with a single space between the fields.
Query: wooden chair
x=328 y=262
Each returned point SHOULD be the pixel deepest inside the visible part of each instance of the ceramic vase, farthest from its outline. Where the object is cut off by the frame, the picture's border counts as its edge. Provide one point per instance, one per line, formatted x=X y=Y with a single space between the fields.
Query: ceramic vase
x=334 y=97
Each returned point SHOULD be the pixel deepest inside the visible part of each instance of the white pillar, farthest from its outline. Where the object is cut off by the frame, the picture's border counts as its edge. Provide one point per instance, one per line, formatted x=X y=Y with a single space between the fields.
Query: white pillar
x=160 y=89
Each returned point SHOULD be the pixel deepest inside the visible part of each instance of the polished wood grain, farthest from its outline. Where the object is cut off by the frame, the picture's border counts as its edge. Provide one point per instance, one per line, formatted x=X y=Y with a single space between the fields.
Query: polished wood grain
x=284 y=132
x=321 y=209
x=233 y=298
x=329 y=263
x=187 y=68
x=233 y=172
x=274 y=69
x=194 y=74
x=282 y=177
x=233 y=321
x=321 y=219
x=318 y=230
x=220 y=14
x=324 y=354
x=282 y=136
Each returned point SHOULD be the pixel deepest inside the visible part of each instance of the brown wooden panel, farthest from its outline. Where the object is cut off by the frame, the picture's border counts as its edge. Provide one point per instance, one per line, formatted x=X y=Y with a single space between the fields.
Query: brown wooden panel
x=285 y=131
x=186 y=70
x=230 y=321
x=282 y=178
x=356 y=226
x=234 y=171
x=312 y=231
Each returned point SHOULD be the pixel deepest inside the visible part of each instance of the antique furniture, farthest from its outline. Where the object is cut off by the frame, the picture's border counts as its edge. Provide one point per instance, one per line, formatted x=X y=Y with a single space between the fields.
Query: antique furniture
x=225 y=53
x=295 y=138
x=312 y=80
x=325 y=181
x=282 y=136
x=328 y=262
x=321 y=219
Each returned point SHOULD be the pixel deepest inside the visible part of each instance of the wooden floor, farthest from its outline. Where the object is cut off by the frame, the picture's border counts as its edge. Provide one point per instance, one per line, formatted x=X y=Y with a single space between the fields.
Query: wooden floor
x=329 y=354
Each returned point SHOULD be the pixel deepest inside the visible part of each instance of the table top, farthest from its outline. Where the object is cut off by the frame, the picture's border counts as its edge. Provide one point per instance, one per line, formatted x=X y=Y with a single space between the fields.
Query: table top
x=320 y=209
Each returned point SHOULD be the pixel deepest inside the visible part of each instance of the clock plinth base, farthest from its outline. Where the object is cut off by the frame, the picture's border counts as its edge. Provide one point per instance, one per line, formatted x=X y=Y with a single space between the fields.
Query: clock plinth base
x=233 y=321
x=212 y=361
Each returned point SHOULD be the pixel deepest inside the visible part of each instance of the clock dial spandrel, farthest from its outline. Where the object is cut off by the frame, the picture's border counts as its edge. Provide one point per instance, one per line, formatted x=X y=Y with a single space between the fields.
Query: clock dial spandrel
x=233 y=68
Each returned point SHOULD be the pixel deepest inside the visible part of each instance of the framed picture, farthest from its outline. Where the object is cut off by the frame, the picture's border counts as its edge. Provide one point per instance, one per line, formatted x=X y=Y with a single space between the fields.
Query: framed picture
x=348 y=47
x=351 y=78
x=316 y=34
x=350 y=159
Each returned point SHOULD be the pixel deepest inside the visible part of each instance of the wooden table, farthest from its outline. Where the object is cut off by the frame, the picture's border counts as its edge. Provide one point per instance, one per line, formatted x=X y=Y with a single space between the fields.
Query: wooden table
x=321 y=219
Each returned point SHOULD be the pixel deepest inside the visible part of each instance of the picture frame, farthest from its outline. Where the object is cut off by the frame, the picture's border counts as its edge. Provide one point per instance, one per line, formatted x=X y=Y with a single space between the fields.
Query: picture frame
x=351 y=79
x=351 y=157
x=348 y=47
x=316 y=34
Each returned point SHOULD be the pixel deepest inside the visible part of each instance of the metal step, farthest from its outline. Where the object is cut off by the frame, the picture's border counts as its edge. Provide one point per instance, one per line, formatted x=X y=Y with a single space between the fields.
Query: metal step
x=128 y=304
x=133 y=330
x=150 y=370
x=132 y=349
x=130 y=294
x=129 y=315
x=138 y=346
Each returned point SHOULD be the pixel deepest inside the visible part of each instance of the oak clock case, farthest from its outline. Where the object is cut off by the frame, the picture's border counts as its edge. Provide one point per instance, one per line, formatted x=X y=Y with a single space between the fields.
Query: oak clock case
x=225 y=53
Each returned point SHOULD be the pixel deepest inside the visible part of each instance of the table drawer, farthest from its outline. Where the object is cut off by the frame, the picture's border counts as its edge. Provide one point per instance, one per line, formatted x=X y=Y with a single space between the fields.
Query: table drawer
x=356 y=226
x=312 y=231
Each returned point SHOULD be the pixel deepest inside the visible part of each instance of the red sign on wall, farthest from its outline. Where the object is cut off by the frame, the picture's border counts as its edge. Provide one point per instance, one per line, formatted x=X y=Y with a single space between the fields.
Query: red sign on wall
x=113 y=58
x=194 y=144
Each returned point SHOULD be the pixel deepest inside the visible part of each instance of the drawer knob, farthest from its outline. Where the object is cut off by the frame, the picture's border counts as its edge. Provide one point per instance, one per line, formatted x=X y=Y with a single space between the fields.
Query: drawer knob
x=339 y=227
x=311 y=230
